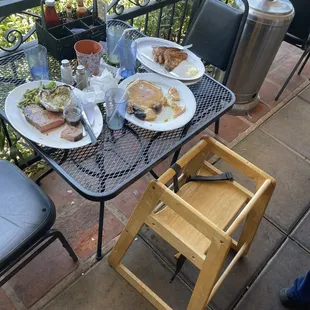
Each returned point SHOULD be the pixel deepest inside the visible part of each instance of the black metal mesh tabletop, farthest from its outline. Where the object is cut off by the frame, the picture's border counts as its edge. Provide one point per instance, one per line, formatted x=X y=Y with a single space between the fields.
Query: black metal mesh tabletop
x=119 y=158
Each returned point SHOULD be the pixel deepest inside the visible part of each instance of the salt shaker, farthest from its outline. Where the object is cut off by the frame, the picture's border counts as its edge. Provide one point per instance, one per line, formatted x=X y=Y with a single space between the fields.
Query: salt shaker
x=66 y=72
x=81 y=77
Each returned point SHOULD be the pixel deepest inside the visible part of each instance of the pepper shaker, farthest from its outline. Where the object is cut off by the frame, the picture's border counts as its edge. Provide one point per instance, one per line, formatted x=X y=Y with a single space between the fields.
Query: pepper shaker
x=81 y=77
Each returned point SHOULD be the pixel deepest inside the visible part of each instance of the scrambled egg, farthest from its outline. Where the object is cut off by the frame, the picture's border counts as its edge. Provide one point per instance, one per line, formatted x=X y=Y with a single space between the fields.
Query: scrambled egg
x=192 y=71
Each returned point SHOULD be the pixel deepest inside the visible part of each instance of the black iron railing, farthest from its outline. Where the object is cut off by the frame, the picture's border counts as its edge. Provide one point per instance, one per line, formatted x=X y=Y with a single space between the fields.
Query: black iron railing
x=162 y=18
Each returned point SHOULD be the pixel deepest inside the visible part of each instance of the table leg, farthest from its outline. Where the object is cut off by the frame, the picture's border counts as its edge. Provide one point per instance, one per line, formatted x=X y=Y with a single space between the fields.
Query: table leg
x=177 y=153
x=100 y=231
x=154 y=174
x=6 y=133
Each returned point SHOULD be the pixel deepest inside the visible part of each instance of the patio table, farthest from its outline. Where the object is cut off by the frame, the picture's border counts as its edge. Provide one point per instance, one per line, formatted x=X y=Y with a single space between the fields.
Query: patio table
x=102 y=171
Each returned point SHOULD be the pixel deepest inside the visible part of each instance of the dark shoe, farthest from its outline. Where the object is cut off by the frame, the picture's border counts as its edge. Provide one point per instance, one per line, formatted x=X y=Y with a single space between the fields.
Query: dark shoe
x=288 y=302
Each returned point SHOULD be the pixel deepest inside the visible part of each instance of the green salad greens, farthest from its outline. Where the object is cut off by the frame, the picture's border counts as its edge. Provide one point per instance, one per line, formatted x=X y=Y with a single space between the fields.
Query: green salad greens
x=50 y=85
x=31 y=96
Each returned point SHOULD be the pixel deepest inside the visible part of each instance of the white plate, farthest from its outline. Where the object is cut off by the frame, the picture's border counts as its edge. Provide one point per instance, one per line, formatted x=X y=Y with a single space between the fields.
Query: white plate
x=144 y=55
x=186 y=99
x=188 y=83
x=17 y=119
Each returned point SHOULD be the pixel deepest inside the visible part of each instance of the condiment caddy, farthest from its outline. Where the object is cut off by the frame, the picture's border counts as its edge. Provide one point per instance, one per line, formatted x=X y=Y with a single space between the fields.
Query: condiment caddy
x=59 y=32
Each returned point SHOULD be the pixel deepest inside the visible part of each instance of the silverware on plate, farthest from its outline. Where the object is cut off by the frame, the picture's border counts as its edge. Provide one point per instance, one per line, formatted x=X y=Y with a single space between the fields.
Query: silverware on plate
x=163 y=69
x=87 y=126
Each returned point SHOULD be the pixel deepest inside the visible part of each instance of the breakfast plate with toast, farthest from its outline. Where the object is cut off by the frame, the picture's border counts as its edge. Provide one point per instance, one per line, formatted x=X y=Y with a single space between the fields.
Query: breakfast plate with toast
x=169 y=59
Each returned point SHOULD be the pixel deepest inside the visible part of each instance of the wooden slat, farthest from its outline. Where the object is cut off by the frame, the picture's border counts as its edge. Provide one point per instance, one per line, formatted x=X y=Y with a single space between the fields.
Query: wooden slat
x=215 y=170
x=227 y=270
x=209 y=272
x=186 y=158
x=194 y=217
x=192 y=167
x=248 y=207
x=177 y=241
x=236 y=160
x=145 y=206
x=254 y=218
x=143 y=289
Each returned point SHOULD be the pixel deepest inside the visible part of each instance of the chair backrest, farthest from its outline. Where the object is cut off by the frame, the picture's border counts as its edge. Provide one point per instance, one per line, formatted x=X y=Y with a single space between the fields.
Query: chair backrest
x=215 y=33
x=300 y=26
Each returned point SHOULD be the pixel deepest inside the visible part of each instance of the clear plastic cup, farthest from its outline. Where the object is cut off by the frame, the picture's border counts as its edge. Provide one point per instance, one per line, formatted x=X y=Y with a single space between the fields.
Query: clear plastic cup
x=114 y=33
x=116 y=100
x=37 y=62
x=128 y=54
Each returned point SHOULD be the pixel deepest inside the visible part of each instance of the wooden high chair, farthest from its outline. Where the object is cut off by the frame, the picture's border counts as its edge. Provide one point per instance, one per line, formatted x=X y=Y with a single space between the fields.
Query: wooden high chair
x=198 y=217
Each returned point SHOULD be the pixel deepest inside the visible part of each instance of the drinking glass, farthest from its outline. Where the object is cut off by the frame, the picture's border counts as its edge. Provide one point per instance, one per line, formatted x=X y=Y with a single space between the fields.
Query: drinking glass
x=114 y=33
x=37 y=62
x=127 y=53
x=116 y=100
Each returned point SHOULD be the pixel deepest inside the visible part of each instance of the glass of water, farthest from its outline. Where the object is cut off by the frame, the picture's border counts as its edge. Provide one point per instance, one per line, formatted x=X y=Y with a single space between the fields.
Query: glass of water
x=37 y=62
x=114 y=33
x=116 y=100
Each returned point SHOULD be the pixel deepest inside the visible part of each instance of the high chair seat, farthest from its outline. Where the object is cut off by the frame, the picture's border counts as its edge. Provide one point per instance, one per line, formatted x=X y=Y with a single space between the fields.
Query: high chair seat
x=218 y=201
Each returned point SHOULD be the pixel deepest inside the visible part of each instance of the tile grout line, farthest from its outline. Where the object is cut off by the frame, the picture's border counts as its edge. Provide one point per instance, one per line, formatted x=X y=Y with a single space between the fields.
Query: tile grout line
x=286 y=237
x=73 y=277
x=271 y=222
x=120 y=216
x=307 y=160
x=303 y=99
x=269 y=105
x=245 y=120
x=258 y=124
x=156 y=252
x=259 y=272
x=299 y=244
x=13 y=297
x=280 y=105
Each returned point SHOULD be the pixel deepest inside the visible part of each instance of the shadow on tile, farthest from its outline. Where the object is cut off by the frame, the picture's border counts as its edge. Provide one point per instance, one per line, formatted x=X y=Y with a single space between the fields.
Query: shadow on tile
x=267 y=240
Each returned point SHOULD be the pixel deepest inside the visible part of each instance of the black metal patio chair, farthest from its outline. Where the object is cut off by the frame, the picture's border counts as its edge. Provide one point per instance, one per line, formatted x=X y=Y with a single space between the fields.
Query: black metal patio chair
x=298 y=34
x=27 y=215
x=215 y=31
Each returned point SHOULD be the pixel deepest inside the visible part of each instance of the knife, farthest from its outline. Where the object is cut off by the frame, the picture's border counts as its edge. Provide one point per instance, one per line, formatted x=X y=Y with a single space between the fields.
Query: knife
x=163 y=69
x=88 y=128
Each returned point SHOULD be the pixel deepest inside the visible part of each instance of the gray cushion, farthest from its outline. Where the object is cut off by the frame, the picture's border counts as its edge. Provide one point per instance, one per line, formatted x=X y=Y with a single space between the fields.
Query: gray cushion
x=26 y=213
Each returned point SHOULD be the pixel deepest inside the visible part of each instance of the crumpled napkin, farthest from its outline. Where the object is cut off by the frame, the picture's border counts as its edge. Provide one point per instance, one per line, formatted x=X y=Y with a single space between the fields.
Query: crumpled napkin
x=98 y=87
x=95 y=93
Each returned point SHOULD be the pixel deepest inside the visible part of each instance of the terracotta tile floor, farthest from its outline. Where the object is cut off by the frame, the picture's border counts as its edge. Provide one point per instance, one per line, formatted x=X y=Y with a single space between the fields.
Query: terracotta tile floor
x=77 y=218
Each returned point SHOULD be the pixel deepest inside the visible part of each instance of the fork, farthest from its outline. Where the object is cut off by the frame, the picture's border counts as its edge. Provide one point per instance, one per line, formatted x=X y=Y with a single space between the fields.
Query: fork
x=185 y=47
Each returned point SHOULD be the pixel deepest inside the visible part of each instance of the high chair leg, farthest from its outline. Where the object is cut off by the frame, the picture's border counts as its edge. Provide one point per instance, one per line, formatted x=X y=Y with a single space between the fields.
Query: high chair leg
x=253 y=220
x=145 y=206
x=209 y=273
